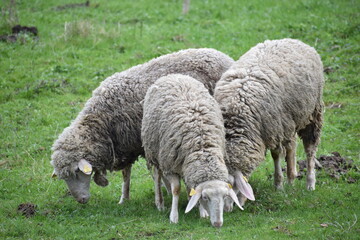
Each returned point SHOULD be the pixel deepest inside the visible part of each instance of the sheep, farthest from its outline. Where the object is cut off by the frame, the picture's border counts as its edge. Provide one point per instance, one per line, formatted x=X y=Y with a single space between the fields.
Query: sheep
x=183 y=137
x=271 y=93
x=106 y=133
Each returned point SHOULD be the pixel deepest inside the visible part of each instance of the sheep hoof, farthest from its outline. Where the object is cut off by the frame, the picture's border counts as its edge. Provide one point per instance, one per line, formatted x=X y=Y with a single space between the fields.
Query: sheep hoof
x=310 y=181
x=204 y=214
x=279 y=187
x=160 y=207
x=311 y=187
x=290 y=181
x=123 y=200
x=174 y=218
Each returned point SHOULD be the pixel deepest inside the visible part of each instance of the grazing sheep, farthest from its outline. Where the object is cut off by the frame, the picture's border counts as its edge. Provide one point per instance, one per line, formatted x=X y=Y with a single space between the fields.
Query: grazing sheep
x=271 y=93
x=183 y=137
x=106 y=133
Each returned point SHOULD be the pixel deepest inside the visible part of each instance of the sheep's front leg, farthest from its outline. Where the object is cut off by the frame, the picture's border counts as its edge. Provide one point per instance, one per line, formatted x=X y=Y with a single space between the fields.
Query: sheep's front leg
x=174 y=181
x=278 y=175
x=159 y=200
x=203 y=212
x=125 y=191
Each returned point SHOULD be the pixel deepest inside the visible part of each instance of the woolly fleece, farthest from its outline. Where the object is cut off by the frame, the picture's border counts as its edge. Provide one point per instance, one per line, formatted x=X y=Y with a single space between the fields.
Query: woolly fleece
x=271 y=93
x=183 y=131
x=106 y=132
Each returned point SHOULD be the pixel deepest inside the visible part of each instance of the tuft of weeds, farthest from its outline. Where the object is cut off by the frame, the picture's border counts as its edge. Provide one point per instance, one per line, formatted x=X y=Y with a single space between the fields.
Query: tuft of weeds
x=9 y=16
x=77 y=29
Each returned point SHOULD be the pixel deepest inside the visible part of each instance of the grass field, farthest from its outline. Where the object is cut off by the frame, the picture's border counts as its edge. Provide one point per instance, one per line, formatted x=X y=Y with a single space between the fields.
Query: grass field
x=45 y=81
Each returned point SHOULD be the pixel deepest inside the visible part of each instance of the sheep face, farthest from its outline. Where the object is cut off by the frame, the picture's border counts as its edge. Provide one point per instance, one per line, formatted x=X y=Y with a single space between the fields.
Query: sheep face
x=79 y=186
x=212 y=195
x=79 y=182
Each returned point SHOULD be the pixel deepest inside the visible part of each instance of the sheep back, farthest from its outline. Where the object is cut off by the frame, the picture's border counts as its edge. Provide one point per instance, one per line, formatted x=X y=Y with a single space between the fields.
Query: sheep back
x=182 y=130
x=107 y=131
x=273 y=91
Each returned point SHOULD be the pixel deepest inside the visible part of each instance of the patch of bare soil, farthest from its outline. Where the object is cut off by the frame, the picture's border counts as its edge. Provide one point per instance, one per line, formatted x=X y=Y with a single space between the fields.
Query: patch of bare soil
x=335 y=166
x=27 y=209
x=18 y=29
x=24 y=29
x=72 y=5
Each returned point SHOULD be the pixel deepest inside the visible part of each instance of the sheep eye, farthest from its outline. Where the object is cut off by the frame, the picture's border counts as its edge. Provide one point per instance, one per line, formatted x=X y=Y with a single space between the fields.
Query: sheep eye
x=205 y=198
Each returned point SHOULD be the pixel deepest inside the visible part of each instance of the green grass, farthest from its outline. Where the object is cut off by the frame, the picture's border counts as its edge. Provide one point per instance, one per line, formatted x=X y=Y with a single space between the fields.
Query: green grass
x=45 y=82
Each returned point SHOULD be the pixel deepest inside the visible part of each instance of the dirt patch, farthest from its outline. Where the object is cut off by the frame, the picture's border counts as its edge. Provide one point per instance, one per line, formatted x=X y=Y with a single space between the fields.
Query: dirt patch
x=329 y=69
x=335 y=166
x=72 y=5
x=8 y=38
x=27 y=209
x=24 y=29
x=17 y=30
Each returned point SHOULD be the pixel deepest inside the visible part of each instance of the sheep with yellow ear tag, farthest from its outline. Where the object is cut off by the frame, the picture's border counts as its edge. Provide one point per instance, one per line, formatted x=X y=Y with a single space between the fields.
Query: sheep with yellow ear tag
x=106 y=133
x=183 y=137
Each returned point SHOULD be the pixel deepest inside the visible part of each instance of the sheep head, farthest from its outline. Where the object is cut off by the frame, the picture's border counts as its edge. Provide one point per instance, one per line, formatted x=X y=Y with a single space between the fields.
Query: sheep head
x=211 y=195
x=79 y=183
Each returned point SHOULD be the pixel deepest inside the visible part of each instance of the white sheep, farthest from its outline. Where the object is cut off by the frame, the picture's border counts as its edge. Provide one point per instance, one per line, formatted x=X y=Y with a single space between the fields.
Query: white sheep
x=183 y=137
x=271 y=93
x=106 y=133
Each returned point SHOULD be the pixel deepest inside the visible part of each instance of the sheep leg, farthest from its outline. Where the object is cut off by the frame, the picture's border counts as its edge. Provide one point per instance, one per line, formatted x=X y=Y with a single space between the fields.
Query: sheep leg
x=278 y=175
x=310 y=150
x=125 y=191
x=311 y=138
x=290 y=158
x=203 y=212
x=167 y=185
x=174 y=181
x=159 y=200
x=242 y=199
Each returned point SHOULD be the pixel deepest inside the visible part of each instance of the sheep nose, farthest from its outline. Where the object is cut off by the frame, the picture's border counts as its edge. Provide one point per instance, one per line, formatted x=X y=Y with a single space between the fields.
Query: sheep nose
x=83 y=200
x=217 y=224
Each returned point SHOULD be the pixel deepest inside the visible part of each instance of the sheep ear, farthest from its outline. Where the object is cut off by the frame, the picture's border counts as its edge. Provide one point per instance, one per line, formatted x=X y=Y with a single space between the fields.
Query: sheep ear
x=100 y=179
x=244 y=187
x=193 y=200
x=235 y=198
x=53 y=175
x=85 y=167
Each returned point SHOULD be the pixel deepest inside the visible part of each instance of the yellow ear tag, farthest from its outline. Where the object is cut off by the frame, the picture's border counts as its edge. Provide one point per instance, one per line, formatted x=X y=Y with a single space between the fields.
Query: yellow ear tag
x=192 y=192
x=229 y=185
x=245 y=179
x=87 y=169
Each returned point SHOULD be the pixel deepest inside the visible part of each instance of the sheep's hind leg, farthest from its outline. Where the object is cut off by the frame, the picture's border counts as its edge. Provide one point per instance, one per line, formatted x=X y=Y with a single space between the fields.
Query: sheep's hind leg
x=310 y=150
x=125 y=191
x=167 y=185
x=174 y=181
x=159 y=200
x=311 y=138
x=290 y=158
x=278 y=175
